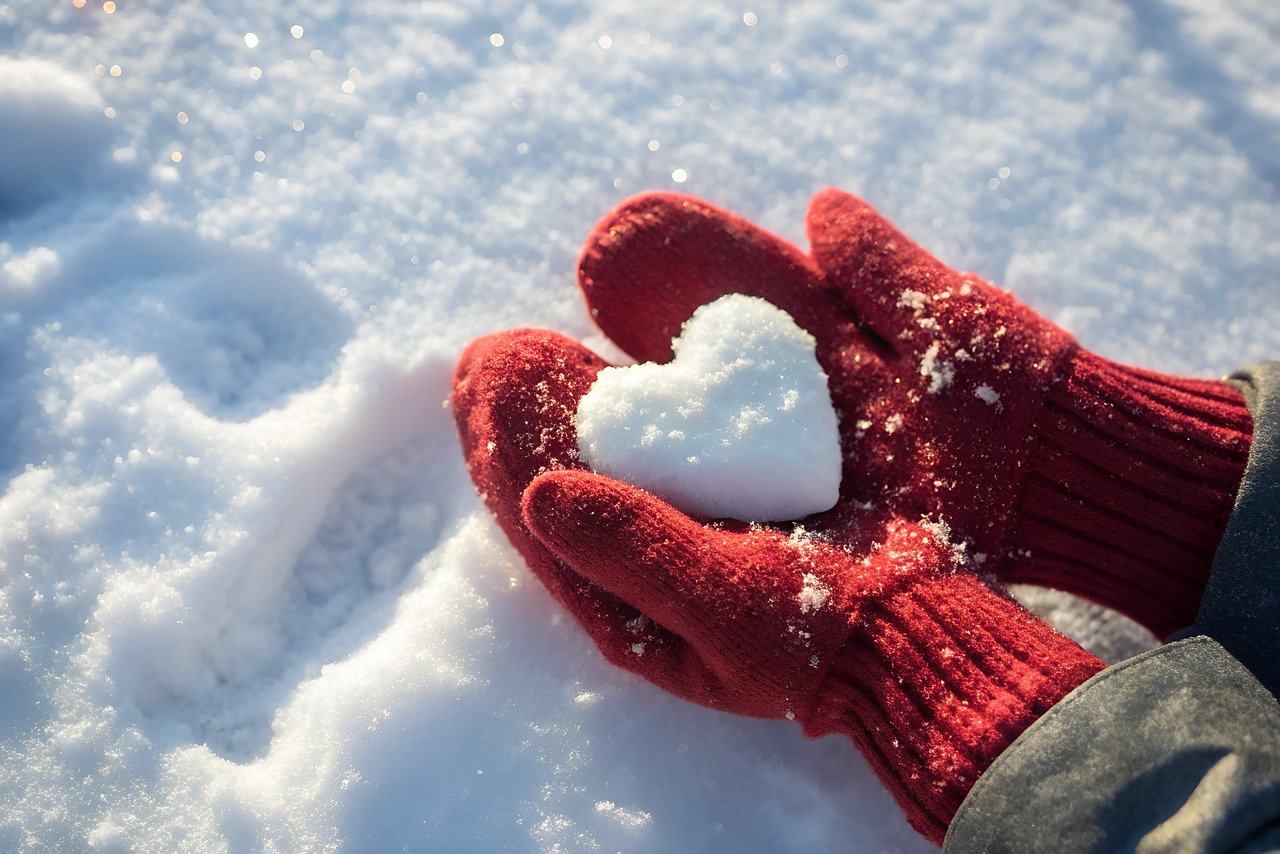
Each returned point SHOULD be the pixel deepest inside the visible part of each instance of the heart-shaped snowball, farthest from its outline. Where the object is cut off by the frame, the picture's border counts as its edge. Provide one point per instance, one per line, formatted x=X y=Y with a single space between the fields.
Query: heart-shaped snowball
x=738 y=425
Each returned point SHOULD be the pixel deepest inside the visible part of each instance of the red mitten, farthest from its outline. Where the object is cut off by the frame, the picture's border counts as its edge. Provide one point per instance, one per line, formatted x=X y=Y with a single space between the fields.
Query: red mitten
x=873 y=633
x=1053 y=465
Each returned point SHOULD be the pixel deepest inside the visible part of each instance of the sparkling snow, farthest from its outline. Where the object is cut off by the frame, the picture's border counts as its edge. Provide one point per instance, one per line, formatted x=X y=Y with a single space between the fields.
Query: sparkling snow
x=739 y=424
x=248 y=597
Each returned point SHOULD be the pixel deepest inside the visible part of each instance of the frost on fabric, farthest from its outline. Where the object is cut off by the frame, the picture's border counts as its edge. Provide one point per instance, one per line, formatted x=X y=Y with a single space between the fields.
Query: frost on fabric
x=814 y=594
x=941 y=531
x=941 y=373
x=914 y=300
x=739 y=424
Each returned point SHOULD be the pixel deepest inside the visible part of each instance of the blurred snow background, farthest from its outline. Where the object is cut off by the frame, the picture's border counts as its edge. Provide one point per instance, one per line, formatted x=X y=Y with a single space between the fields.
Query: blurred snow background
x=248 y=598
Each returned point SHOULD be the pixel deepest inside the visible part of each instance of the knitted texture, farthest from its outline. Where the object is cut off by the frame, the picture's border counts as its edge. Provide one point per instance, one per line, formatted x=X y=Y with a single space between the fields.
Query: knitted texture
x=1129 y=490
x=936 y=681
x=952 y=397
x=866 y=628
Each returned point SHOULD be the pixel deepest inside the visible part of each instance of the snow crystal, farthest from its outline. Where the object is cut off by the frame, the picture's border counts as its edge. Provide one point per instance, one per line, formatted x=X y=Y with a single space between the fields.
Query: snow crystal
x=942 y=533
x=941 y=373
x=914 y=300
x=987 y=395
x=739 y=424
x=814 y=594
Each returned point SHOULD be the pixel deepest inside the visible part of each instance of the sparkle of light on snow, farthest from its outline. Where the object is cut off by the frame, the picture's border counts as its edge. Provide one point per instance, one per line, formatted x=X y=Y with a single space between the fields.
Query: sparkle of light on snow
x=739 y=424
x=628 y=818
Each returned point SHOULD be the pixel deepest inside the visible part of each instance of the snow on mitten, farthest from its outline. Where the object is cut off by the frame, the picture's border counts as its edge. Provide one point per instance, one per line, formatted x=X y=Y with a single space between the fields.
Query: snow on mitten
x=877 y=635
x=1051 y=464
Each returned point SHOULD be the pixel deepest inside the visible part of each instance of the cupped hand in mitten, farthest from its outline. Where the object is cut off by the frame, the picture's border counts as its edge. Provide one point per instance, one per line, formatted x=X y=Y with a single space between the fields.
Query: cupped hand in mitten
x=936 y=375
x=738 y=617
x=861 y=621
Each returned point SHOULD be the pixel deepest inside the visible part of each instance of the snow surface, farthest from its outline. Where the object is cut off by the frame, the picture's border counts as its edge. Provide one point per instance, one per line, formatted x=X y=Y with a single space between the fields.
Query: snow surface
x=249 y=600
x=738 y=425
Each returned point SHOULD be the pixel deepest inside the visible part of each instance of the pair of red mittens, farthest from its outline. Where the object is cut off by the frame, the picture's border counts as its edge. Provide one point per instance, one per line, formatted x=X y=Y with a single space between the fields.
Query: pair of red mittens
x=868 y=621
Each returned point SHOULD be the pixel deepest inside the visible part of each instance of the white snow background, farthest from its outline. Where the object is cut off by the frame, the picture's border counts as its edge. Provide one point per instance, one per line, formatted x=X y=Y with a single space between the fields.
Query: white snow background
x=250 y=600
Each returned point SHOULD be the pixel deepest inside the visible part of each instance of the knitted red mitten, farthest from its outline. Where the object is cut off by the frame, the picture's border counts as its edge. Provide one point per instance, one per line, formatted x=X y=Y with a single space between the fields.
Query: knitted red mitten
x=875 y=635
x=1053 y=465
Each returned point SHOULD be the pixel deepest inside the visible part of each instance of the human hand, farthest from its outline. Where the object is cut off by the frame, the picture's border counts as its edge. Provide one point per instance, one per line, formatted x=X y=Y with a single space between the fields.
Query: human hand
x=867 y=627
x=1050 y=464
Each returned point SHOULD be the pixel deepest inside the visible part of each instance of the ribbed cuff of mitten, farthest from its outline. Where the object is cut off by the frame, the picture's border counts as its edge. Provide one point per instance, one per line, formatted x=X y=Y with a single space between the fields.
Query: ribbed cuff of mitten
x=1132 y=477
x=936 y=681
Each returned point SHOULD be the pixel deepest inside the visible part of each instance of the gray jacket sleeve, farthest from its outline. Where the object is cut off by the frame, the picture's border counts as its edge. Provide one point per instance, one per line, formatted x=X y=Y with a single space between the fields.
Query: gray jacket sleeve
x=1177 y=749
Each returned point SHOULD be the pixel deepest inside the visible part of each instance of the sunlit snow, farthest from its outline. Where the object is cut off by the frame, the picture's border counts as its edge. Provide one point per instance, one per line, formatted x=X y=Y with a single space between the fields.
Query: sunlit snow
x=249 y=599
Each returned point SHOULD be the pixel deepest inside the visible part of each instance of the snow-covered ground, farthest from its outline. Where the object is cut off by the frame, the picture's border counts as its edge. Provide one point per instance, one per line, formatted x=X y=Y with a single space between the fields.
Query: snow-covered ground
x=249 y=599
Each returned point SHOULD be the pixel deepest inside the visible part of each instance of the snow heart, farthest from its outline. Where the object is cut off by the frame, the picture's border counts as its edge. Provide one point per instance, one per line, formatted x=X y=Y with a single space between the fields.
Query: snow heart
x=738 y=425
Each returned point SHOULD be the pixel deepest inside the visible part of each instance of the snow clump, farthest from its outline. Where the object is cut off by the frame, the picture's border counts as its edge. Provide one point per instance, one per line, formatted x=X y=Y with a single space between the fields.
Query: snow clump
x=739 y=424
